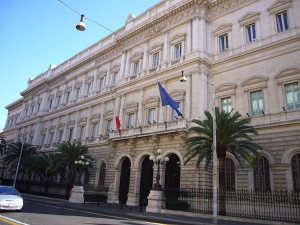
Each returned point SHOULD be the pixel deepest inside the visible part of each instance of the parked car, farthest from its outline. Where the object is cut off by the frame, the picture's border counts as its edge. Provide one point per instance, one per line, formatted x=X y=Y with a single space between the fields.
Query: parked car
x=10 y=199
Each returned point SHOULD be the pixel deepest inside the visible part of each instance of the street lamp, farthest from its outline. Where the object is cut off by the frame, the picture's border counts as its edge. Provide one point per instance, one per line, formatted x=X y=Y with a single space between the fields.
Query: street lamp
x=158 y=161
x=80 y=164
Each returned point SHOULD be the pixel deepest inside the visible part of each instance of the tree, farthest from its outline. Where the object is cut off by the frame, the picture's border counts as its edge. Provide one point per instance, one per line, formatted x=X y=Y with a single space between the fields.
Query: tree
x=2 y=144
x=14 y=150
x=233 y=135
x=68 y=153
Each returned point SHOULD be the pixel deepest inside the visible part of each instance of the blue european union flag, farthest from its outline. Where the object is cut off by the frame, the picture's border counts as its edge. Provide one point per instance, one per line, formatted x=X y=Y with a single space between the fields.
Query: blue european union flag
x=167 y=100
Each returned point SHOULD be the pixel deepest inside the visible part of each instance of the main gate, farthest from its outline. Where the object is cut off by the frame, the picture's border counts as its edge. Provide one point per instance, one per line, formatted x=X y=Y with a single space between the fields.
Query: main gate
x=124 y=181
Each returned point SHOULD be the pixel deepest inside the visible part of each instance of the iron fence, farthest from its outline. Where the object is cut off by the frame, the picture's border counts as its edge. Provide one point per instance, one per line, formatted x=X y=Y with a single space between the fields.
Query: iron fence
x=274 y=205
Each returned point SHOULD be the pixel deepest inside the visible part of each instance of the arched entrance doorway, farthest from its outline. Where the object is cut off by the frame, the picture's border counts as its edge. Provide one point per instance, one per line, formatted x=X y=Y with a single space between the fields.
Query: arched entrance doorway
x=146 y=181
x=124 y=181
x=172 y=180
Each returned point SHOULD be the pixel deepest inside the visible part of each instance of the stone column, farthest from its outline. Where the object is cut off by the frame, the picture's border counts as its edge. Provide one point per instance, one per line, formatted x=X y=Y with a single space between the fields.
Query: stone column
x=165 y=55
x=113 y=193
x=133 y=194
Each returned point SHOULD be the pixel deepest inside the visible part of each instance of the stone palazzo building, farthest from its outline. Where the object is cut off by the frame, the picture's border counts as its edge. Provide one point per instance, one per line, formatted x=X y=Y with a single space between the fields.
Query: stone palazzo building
x=245 y=51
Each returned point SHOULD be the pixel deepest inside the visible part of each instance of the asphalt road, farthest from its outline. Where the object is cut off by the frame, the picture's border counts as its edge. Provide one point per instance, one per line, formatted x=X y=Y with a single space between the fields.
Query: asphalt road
x=42 y=214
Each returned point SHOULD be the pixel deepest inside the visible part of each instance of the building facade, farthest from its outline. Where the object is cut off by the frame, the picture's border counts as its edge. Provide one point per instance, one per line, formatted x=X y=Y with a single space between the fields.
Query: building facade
x=246 y=52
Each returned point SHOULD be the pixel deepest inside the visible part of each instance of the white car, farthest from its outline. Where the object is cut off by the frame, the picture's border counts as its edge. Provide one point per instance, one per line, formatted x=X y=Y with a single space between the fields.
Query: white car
x=10 y=199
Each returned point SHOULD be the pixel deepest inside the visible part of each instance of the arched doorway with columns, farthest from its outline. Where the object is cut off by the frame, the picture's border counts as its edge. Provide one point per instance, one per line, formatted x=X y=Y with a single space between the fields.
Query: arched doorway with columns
x=146 y=180
x=124 y=181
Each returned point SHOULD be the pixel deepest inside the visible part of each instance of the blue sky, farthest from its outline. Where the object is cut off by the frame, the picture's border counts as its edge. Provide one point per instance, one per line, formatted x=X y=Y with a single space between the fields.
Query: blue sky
x=37 y=33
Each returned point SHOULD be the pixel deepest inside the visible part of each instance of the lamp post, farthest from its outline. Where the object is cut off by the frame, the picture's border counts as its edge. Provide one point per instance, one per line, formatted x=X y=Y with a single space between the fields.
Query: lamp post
x=158 y=161
x=77 y=191
x=80 y=164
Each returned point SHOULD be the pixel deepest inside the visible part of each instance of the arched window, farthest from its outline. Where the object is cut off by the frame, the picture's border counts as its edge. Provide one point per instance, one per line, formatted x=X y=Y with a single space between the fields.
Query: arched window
x=295 y=162
x=102 y=174
x=229 y=175
x=262 y=176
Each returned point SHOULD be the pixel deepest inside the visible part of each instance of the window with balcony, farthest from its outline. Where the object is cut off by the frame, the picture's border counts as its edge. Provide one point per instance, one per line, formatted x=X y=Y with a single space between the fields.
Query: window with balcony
x=155 y=59
x=101 y=83
x=81 y=132
x=226 y=104
x=77 y=92
x=178 y=51
x=109 y=125
x=95 y=128
x=131 y=120
x=136 y=67
x=70 y=135
x=88 y=88
x=174 y=114
x=115 y=78
x=223 y=43
x=257 y=103
x=152 y=116
x=282 y=21
x=292 y=96
x=250 y=33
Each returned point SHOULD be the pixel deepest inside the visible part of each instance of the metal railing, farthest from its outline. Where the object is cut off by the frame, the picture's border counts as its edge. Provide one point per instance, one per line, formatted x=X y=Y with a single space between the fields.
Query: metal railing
x=274 y=205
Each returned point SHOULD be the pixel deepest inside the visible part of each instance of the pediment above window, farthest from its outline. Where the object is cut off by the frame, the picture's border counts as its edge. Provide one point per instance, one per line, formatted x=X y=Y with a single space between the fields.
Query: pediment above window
x=255 y=82
x=177 y=94
x=95 y=118
x=82 y=121
x=224 y=28
x=131 y=106
x=280 y=6
x=177 y=38
x=156 y=48
x=225 y=89
x=151 y=102
x=137 y=56
x=109 y=114
x=289 y=74
x=71 y=123
x=61 y=126
x=102 y=73
x=249 y=18
x=116 y=68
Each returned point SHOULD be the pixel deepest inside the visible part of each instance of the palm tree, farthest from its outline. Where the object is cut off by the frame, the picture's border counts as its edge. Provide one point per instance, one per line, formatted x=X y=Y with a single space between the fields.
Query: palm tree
x=2 y=144
x=68 y=153
x=233 y=135
x=14 y=150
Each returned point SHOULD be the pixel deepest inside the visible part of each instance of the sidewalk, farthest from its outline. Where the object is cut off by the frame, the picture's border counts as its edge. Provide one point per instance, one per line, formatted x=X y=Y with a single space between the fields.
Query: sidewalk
x=168 y=216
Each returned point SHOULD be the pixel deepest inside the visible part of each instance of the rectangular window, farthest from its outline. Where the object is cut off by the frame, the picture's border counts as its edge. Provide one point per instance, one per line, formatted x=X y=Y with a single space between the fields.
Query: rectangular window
x=101 y=83
x=38 y=107
x=88 y=88
x=109 y=125
x=226 y=104
x=81 y=132
x=152 y=116
x=174 y=115
x=223 y=43
x=251 y=33
x=155 y=59
x=177 y=51
x=115 y=78
x=50 y=103
x=257 y=103
x=131 y=118
x=58 y=100
x=282 y=22
x=31 y=110
x=68 y=96
x=70 y=134
x=43 y=139
x=51 y=138
x=136 y=67
x=292 y=96
x=77 y=92
x=60 y=135
x=95 y=129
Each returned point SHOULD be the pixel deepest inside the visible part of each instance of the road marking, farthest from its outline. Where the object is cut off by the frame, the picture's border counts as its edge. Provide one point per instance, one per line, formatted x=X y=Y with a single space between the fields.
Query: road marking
x=11 y=221
x=117 y=217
